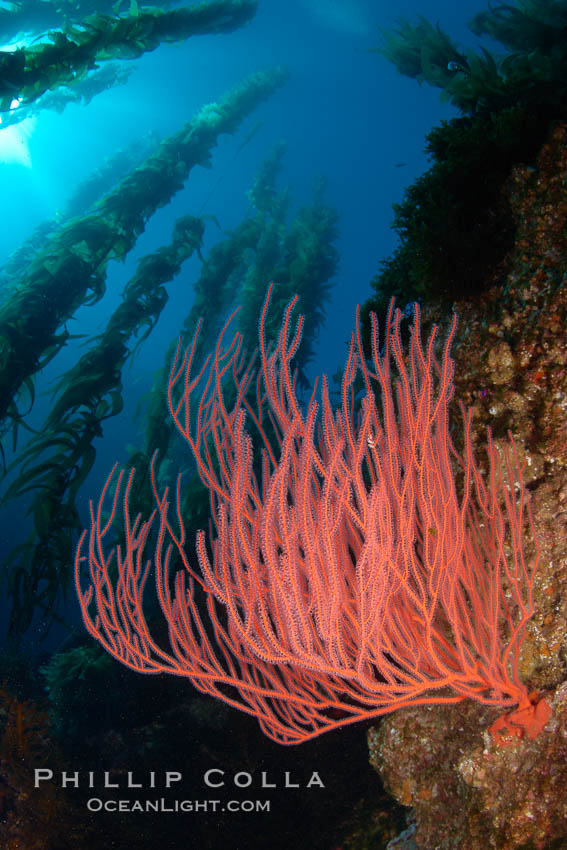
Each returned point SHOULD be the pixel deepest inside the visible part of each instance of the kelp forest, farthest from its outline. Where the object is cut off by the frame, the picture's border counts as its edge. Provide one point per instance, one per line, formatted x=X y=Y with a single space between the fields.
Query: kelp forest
x=82 y=305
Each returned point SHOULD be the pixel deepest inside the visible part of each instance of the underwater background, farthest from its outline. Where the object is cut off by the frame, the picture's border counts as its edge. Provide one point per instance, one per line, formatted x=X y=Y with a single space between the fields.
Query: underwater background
x=163 y=164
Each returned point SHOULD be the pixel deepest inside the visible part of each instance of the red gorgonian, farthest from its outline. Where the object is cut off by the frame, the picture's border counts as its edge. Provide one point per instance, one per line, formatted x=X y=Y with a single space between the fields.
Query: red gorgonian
x=355 y=563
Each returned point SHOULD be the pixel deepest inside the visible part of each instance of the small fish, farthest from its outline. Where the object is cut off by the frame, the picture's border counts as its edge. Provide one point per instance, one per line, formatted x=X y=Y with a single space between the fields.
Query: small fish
x=463 y=67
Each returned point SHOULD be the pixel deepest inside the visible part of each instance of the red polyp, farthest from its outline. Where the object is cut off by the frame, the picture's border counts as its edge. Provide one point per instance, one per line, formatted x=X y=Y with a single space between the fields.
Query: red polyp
x=529 y=719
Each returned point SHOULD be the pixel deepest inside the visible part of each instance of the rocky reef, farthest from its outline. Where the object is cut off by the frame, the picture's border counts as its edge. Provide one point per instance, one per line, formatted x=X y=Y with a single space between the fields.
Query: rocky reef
x=462 y=789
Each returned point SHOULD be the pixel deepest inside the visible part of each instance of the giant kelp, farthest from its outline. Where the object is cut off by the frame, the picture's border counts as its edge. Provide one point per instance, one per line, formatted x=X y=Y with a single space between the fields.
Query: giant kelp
x=86 y=193
x=81 y=92
x=300 y=256
x=55 y=462
x=71 y=270
x=232 y=261
x=454 y=223
x=38 y=16
x=104 y=178
x=214 y=290
x=308 y=260
x=28 y=72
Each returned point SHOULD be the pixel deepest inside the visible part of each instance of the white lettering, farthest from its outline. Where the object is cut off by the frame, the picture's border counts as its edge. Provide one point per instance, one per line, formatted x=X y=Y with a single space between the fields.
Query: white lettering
x=108 y=783
x=245 y=781
x=41 y=774
x=172 y=776
x=315 y=780
x=265 y=783
x=131 y=783
x=288 y=782
x=208 y=778
x=70 y=779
